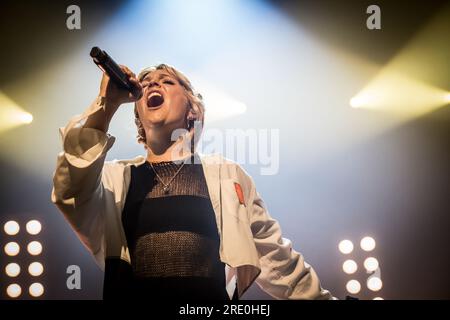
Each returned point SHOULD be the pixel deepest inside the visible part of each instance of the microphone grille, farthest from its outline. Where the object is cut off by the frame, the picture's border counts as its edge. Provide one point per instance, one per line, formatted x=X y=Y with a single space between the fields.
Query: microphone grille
x=96 y=52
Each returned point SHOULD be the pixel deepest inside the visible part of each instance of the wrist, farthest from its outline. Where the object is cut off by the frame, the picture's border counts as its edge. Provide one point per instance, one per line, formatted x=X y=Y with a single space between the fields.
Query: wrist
x=103 y=99
x=109 y=104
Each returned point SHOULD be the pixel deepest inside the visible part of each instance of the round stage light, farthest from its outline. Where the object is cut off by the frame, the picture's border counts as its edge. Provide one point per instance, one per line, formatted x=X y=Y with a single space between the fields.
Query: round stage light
x=374 y=283
x=346 y=246
x=35 y=269
x=368 y=243
x=11 y=227
x=349 y=266
x=371 y=264
x=13 y=290
x=36 y=289
x=33 y=227
x=12 y=249
x=12 y=269
x=353 y=286
x=34 y=248
x=378 y=298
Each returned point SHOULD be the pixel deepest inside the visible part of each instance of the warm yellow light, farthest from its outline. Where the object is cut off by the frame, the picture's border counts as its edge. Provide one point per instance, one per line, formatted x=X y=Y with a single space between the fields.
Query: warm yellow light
x=378 y=298
x=33 y=227
x=359 y=101
x=11 y=114
x=12 y=269
x=34 y=248
x=349 y=266
x=353 y=286
x=13 y=290
x=374 y=283
x=415 y=81
x=12 y=249
x=11 y=227
x=447 y=97
x=36 y=289
x=346 y=246
x=25 y=117
x=35 y=269
x=397 y=93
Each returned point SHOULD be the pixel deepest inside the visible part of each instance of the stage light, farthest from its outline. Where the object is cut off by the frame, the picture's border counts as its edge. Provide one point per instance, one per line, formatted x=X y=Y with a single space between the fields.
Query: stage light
x=12 y=249
x=447 y=97
x=11 y=114
x=36 y=289
x=25 y=117
x=33 y=227
x=34 y=248
x=371 y=264
x=35 y=269
x=349 y=266
x=415 y=81
x=13 y=290
x=368 y=243
x=353 y=286
x=346 y=246
x=11 y=228
x=359 y=101
x=220 y=104
x=374 y=283
x=12 y=270
x=378 y=298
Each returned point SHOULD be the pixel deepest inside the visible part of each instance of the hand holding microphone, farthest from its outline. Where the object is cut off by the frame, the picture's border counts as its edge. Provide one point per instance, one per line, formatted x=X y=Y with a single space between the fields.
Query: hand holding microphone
x=119 y=84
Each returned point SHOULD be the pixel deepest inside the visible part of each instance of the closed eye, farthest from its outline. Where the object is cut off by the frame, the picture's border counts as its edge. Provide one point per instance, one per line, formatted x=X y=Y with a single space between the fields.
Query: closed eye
x=147 y=83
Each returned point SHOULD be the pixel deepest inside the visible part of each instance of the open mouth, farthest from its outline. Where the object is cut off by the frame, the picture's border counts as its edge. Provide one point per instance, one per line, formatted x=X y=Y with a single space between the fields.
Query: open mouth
x=155 y=99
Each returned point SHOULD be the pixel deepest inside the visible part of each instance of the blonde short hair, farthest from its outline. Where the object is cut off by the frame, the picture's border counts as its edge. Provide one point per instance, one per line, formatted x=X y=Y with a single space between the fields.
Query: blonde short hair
x=195 y=99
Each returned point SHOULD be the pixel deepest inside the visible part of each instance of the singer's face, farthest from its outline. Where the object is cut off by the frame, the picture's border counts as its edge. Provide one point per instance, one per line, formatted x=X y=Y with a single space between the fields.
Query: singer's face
x=164 y=104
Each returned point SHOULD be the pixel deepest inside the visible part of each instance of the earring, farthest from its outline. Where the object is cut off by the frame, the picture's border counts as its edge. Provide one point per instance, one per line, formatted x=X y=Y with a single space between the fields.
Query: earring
x=191 y=121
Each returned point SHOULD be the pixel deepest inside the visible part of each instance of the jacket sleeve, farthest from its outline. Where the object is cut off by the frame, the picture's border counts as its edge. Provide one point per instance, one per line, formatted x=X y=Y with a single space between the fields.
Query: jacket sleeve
x=77 y=185
x=284 y=272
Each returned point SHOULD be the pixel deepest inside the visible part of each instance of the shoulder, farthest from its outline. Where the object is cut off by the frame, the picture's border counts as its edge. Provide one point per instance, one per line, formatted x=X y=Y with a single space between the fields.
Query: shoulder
x=219 y=160
x=229 y=169
x=125 y=162
x=117 y=173
x=116 y=166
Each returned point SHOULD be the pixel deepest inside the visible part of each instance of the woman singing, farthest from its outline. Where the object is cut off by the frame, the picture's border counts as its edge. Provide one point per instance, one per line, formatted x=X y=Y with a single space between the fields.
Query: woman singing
x=174 y=225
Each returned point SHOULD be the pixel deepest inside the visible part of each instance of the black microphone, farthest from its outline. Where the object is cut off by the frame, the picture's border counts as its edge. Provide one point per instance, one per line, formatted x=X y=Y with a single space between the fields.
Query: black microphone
x=112 y=69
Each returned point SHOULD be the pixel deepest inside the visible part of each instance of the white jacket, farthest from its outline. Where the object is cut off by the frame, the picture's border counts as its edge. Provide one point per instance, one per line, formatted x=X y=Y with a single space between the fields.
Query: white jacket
x=91 y=194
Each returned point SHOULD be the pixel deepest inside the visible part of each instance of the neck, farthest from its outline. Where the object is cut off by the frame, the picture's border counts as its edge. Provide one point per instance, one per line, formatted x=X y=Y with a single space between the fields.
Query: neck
x=161 y=148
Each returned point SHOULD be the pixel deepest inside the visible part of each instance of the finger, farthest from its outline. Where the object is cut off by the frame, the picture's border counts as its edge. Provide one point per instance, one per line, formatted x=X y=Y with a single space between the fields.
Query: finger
x=132 y=98
x=127 y=71
x=135 y=82
x=124 y=68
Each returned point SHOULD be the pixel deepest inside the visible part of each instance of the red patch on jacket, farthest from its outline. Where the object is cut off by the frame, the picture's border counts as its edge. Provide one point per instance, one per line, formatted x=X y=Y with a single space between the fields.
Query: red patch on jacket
x=239 y=193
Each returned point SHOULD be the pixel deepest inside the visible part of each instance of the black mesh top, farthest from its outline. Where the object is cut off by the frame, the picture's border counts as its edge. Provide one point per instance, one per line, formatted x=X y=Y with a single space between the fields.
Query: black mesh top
x=172 y=236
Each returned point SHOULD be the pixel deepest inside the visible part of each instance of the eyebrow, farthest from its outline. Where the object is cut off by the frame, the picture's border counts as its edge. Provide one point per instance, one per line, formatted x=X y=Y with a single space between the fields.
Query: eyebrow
x=160 y=76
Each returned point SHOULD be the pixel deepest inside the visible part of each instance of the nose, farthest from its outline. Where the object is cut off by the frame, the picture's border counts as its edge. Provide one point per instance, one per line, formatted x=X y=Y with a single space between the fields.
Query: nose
x=154 y=83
